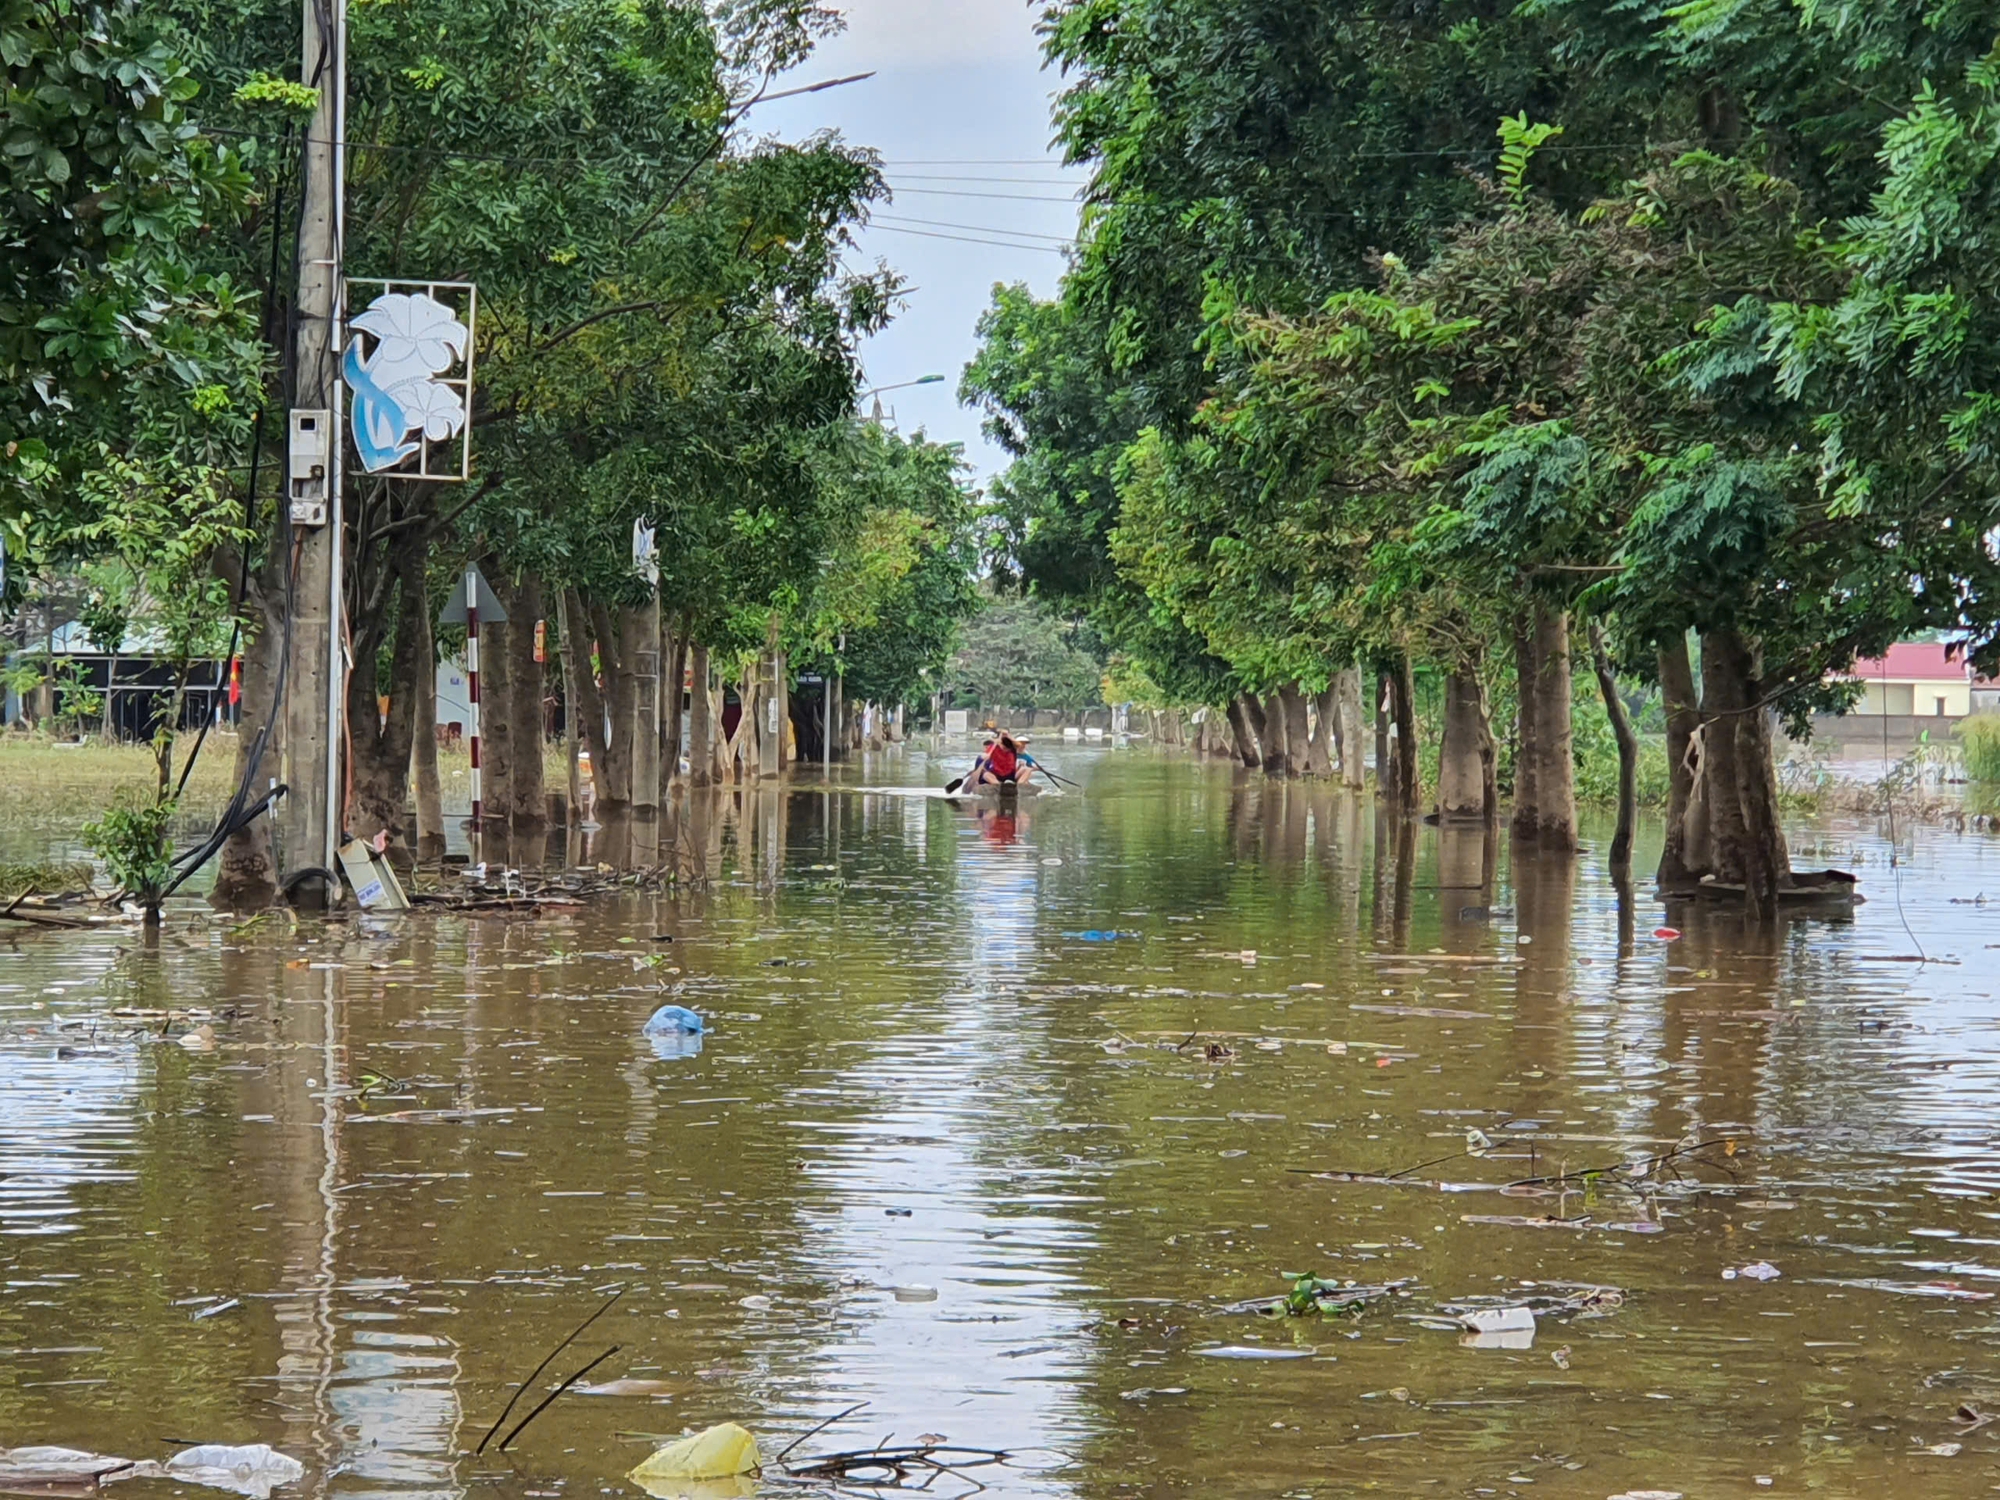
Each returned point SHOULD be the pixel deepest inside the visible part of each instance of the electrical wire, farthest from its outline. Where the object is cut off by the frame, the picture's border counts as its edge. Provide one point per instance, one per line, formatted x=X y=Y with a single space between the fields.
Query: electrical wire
x=1024 y=234
x=967 y=177
x=249 y=504
x=503 y=158
x=1002 y=197
x=241 y=812
x=929 y=234
x=1556 y=147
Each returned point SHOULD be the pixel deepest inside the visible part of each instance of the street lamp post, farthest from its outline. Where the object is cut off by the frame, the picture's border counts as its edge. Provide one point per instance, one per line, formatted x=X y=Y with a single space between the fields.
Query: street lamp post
x=876 y=391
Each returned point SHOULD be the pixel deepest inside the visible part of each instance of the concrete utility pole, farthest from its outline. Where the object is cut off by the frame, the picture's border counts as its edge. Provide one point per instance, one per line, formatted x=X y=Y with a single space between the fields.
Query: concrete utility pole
x=771 y=743
x=644 y=625
x=308 y=818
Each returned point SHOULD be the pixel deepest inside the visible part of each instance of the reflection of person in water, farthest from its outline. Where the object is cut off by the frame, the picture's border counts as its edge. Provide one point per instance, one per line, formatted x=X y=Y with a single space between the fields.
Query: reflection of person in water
x=998 y=827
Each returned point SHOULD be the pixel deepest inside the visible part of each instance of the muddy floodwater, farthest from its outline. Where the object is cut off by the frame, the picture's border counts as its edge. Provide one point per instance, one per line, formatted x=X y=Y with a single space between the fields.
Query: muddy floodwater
x=994 y=1119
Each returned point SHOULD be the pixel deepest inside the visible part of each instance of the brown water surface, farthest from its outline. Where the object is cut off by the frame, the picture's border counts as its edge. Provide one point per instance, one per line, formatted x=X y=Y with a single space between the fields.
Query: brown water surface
x=951 y=1150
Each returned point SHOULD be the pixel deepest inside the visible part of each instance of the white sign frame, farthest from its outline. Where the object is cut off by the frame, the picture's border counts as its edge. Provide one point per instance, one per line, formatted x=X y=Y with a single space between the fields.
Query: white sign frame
x=462 y=384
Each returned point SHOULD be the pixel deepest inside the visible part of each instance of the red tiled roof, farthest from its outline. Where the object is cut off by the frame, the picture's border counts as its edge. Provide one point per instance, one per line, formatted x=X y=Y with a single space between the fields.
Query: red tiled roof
x=1915 y=661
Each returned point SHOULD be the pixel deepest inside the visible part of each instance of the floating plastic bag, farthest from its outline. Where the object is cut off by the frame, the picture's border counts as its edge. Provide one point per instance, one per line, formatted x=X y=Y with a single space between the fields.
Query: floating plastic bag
x=1498 y=1328
x=725 y=1451
x=252 y=1470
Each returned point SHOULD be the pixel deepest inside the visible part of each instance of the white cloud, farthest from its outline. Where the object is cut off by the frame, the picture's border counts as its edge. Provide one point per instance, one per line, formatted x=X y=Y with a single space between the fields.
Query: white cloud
x=933 y=33
x=959 y=101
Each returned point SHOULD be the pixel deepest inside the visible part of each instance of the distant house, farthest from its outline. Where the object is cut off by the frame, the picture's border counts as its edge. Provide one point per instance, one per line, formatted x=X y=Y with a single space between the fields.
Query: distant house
x=1916 y=679
x=137 y=679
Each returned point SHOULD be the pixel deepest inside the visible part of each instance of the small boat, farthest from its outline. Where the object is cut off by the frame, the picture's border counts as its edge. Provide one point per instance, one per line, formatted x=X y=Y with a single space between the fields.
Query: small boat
x=1005 y=791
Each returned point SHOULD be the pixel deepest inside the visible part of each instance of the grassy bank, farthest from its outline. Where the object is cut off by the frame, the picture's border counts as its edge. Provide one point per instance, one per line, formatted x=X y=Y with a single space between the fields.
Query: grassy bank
x=54 y=773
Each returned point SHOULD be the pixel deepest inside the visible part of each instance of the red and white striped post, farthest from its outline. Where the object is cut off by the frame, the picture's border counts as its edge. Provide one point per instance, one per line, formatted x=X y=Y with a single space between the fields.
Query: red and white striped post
x=472 y=678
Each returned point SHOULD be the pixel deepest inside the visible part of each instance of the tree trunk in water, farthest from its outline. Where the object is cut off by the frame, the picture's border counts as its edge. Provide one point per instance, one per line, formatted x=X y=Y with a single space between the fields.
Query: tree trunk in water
x=528 y=800
x=1319 y=747
x=701 y=722
x=1216 y=736
x=1683 y=719
x=1242 y=735
x=611 y=764
x=497 y=735
x=1741 y=773
x=1555 y=766
x=567 y=626
x=424 y=745
x=1347 y=726
x=739 y=746
x=1628 y=755
x=589 y=706
x=1385 y=768
x=670 y=708
x=1699 y=849
x=1298 y=729
x=1253 y=716
x=1403 y=689
x=1276 y=751
x=1465 y=754
x=246 y=877
x=1527 y=739
x=380 y=744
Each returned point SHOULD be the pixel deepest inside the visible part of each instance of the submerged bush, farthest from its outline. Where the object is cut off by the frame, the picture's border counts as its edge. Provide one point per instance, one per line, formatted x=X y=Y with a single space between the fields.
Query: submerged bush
x=1980 y=735
x=132 y=842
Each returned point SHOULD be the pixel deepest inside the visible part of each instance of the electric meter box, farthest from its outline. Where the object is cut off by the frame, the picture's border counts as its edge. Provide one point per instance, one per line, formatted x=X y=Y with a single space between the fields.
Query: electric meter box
x=310 y=447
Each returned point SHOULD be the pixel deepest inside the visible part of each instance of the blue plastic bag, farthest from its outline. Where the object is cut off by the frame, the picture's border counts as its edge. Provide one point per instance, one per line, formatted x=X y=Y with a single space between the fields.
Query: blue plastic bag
x=674 y=1020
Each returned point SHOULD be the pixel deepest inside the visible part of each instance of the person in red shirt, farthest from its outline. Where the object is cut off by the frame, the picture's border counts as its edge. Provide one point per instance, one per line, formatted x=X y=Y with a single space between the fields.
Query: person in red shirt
x=1004 y=764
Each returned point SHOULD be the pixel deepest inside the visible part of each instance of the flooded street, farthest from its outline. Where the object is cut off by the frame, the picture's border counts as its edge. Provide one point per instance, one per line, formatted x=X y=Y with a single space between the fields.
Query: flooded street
x=993 y=1120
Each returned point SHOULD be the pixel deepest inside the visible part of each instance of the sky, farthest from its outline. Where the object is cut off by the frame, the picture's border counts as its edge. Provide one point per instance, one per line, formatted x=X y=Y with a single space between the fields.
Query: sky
x=959 y=111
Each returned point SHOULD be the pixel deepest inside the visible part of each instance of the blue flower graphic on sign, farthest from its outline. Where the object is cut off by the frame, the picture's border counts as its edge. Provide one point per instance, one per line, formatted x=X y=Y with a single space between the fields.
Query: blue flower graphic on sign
x=399 y=404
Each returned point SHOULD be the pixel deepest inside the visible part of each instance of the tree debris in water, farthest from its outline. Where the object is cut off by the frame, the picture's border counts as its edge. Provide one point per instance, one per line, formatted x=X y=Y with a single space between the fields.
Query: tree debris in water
x=1315 y=1296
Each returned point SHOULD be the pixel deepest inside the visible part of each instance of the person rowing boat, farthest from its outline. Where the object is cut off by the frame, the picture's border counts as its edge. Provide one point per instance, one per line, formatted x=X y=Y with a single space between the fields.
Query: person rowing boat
x=1006 y=765
x=1003 y=767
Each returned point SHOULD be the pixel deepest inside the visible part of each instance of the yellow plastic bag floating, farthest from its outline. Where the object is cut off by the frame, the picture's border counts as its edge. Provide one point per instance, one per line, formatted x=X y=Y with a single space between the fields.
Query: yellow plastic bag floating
x=722 y=1452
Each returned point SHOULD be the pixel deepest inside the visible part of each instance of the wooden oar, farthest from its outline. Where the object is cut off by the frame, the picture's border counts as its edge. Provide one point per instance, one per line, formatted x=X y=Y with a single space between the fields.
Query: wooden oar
x=1058 y=780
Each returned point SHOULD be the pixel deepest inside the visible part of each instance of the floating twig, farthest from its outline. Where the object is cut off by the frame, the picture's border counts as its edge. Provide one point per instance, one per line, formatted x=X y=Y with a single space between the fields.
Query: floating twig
x=883 y=1467
x=1643 y=1164
x=521 y=1389
x=815 y=1430
x=549 y=1399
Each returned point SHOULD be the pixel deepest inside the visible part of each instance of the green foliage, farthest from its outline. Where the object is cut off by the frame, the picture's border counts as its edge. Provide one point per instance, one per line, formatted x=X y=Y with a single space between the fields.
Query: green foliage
x=22 y=675
x=1313 y=391
x=1518 y=143
x=78 y=706
x=897 y=587
x=288 y=95
x=1979 y=737
x=1019 y=654
x=132 y=841
x=108 y=321
x=1595 y=751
